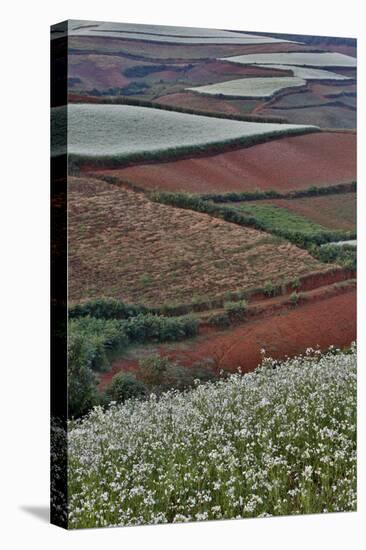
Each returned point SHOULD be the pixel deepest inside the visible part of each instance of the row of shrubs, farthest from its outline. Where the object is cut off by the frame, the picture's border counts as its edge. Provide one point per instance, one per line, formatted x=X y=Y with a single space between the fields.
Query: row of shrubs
x=108 y=334
x=312 y=191
x=107 y=308
x=344 y=255
x=91 y=342
x=233 y=215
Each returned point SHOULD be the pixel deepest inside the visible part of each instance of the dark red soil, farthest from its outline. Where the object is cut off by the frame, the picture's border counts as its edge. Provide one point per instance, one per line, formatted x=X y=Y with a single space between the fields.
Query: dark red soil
x=318 y=322
x=288 y=163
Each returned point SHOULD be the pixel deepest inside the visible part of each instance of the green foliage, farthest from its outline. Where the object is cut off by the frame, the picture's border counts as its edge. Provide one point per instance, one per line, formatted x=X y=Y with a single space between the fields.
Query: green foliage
x=269 y=289
x=294 y=298
x=149 y=327
x=235 y=310
x=161 y=374
x=106 y=308
x=221 y=320
x=91 y=341
x=99 y=335
x=81 y=380
x=344 y=255
x=125 y=386
x=295 y=284
x=272 y=194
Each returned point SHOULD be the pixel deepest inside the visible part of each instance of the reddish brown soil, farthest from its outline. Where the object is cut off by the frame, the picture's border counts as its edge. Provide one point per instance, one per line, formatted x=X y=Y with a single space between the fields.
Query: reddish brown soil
x=288 y=163
x=331 y=321
x=191 y=100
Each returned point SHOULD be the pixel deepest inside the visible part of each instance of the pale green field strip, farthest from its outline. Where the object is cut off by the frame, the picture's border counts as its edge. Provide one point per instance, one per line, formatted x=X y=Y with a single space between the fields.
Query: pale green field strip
x=326 y=59
x=125 y=131
x=308 y=73
x=250 y=87
x=156 y=33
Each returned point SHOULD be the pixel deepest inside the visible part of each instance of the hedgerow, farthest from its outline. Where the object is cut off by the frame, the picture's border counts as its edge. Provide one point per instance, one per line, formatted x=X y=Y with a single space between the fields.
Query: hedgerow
x=234 y=215
x=312 y=191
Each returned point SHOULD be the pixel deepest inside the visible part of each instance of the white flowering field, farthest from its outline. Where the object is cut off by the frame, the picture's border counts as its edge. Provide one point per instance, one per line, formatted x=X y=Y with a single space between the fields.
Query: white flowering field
x=323 y=59
x=308 y=73
x=281 y=440
x=126 y=132
x=250 y=87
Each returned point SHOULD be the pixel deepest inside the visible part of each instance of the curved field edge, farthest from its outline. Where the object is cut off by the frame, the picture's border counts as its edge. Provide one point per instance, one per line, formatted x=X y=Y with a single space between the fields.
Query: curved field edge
x=278 y=441
x=170 y=153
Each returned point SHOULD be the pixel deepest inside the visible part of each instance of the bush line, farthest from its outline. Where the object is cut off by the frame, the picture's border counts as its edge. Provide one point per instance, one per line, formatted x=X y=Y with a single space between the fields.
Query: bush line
x=312 y=191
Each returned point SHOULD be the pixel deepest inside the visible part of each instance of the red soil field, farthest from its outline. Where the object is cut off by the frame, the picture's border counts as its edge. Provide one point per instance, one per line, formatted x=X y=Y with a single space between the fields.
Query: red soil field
x=191 y=100
x=331 y=321
x=325 y=116
x=284 y=164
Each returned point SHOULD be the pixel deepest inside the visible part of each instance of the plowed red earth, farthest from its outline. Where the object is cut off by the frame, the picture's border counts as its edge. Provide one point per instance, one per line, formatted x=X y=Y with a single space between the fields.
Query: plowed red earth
x=284 y=164
x=322 y=323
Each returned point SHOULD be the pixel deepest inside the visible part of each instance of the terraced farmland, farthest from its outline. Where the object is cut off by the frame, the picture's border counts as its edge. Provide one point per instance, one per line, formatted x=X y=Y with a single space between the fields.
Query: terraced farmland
x=284 y=164
x=212 y=174
x=124 y=246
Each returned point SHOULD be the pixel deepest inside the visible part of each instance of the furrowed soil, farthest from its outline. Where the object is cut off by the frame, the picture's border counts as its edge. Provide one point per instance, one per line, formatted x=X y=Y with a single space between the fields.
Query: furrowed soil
x=122 y=245
x=319 y=323
x=283 y=164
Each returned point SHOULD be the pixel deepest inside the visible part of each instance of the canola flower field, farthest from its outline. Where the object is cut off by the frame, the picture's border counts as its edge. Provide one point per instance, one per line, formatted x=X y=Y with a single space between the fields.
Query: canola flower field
x=278 y=441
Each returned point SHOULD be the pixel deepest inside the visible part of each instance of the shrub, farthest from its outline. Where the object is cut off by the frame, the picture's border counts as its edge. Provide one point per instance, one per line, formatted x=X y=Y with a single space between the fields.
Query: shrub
x=295 y=284
x=294 y=298
x=106 y=308
x=161 y=374
x=236 y=310
x=219 y=320
x=125 y=386
x=81 y=381
x=269 y=289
